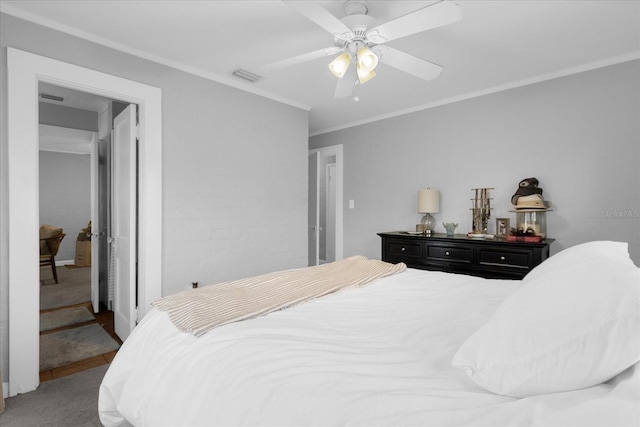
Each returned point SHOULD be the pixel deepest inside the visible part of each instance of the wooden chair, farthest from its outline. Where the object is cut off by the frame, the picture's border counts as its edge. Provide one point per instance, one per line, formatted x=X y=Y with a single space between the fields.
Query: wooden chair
x=50 y=239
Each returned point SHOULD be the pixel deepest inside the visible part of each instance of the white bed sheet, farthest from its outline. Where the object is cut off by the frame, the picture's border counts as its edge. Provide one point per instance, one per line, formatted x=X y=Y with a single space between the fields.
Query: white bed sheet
x=377 y=355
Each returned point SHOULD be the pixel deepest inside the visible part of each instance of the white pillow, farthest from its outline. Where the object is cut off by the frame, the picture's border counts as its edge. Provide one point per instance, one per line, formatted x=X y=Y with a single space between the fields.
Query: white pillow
x=573 y=323
x=581 y=256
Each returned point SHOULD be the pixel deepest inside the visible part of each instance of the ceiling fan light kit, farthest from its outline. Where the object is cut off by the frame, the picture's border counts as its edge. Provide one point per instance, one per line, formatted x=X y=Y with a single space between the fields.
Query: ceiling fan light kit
x=358 y=35
x=366 y=62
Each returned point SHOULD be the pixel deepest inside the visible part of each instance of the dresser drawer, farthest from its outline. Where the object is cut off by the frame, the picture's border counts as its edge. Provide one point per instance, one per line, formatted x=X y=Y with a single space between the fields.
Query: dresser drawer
x=450 y=253
x=404 y=249
x=495 y=259
x=511 y=258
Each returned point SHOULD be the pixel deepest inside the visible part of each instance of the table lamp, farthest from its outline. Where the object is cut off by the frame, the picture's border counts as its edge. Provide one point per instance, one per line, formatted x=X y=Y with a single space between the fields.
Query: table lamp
x=428 y=203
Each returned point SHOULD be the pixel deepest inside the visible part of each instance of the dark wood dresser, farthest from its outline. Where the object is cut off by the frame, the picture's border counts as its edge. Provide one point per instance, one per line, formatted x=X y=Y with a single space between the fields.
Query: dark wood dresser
x=493 y=259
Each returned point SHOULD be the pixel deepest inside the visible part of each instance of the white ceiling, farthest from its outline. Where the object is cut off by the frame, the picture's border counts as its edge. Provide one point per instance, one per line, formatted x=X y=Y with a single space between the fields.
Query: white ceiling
x=497 y=45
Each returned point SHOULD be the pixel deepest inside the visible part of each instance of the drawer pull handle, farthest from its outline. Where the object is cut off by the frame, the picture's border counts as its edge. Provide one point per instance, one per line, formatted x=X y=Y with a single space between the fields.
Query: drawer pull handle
x=447 y=253
x=502 y=258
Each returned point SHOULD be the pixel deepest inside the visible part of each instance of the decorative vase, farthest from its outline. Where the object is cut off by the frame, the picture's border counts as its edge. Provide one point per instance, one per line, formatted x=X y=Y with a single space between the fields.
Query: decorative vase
x=450 y=227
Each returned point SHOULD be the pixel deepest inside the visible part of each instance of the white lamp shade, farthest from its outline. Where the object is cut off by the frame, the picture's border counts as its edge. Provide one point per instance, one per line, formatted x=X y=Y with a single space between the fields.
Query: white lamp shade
x=428 y=201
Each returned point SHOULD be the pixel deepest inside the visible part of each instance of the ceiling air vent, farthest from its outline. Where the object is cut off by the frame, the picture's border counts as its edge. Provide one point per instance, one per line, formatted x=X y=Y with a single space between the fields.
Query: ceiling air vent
x=244 y=74
x=51 y=97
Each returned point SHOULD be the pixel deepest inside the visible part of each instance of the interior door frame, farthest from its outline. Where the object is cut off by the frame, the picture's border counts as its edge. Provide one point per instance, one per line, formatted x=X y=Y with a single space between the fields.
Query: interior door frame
x=337 y=151
x=95 y=226
x=25 y=71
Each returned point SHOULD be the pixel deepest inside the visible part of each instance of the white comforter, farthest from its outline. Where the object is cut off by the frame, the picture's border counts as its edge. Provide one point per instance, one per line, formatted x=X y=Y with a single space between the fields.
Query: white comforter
x=377 y=355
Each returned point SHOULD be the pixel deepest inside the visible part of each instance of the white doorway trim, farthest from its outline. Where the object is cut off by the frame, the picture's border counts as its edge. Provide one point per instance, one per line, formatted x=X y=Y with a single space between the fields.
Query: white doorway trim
x=25 y=71
x=330 y=211
x=313 y=234
x=336 y=150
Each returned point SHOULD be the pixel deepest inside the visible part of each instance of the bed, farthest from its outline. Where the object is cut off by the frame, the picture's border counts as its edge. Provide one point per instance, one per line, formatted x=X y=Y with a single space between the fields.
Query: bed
x=409 y=348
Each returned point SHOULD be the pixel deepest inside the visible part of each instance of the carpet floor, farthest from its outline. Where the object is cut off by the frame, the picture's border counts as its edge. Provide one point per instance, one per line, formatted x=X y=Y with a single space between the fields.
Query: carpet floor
x=73 y=287
x=64 y=317
x=68 y=401
x=71 y=345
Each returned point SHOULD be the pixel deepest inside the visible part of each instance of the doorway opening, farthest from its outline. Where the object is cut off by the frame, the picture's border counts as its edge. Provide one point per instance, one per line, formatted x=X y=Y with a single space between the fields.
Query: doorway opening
x=325 y=205
x=75 y=156
x=25 y=72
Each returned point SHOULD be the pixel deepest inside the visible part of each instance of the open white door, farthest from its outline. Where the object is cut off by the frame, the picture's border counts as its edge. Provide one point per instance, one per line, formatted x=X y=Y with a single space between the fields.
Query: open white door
x=95 y=227
x=124 y=224
x=314 y=210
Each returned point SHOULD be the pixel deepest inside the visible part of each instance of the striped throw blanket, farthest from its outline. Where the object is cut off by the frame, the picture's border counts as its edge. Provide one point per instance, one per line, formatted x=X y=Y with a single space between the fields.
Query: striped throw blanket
x=199 y=310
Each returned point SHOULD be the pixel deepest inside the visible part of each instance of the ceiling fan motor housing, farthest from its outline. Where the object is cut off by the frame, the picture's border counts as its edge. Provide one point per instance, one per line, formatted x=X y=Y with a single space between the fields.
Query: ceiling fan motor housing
x=357 y=21
x=359 y=25
x=356 y=7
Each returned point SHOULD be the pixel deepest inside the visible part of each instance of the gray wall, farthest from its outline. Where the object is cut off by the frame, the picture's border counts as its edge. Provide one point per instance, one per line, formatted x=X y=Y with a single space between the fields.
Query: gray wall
x=65 y=196
x=234 y=168
x=579 y=135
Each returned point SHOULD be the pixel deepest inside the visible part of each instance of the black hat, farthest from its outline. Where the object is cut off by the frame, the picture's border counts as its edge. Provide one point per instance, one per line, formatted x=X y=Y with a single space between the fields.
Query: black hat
x=527 y=187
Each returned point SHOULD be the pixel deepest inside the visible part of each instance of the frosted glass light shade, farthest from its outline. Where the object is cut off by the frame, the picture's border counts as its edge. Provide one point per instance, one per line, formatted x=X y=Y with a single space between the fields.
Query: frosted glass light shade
x=367 y=61
x=428 y=201
x=340 y=65
x=364 y=77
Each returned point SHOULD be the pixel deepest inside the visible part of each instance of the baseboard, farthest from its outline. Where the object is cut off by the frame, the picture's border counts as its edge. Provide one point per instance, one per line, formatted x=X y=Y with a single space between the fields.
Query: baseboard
x=65 y=262
x=5 y=389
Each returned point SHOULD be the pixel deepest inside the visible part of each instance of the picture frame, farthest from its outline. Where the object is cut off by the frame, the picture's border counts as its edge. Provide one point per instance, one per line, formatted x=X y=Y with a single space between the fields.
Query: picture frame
x=503 y=228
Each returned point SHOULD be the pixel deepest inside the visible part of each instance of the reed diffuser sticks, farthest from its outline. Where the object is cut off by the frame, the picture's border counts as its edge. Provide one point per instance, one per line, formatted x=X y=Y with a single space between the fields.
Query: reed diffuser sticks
x=481 y=210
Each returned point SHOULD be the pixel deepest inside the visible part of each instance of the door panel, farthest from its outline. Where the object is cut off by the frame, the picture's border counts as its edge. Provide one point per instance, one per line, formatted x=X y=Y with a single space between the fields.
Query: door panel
x=124 y=221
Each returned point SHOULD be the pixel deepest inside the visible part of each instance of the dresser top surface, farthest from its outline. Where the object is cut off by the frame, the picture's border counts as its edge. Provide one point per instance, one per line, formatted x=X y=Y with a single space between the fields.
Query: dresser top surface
x=442 y=237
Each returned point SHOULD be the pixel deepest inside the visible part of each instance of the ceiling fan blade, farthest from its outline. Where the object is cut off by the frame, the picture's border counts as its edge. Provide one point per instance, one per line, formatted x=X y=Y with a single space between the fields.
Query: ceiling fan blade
x=345 y=85
x=436 y=15
x=408 y=63
x=321 y=53
x=322 y=17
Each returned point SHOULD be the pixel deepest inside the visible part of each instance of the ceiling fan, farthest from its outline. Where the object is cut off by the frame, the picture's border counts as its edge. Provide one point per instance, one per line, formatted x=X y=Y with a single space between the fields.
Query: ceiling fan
x=358 y=39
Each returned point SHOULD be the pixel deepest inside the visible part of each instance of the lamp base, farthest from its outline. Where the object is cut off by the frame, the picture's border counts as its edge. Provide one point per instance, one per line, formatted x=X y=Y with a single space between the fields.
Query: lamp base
x=429 y=224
